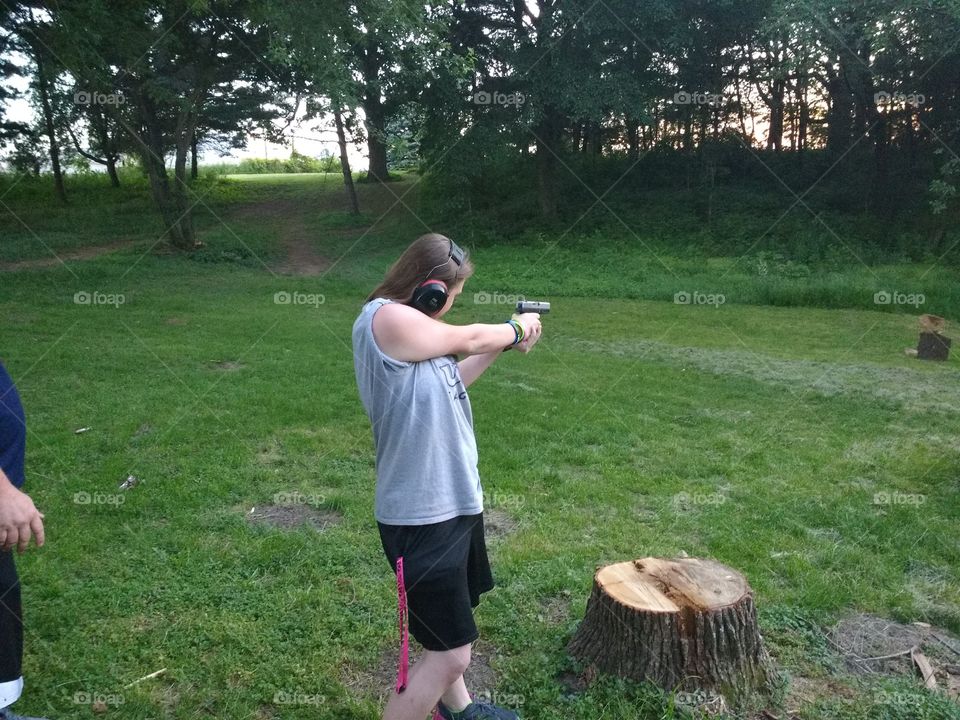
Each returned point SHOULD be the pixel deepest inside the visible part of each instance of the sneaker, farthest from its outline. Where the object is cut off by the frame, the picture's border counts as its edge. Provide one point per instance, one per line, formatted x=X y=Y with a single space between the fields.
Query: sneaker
x=7 y=715
x=478 y=711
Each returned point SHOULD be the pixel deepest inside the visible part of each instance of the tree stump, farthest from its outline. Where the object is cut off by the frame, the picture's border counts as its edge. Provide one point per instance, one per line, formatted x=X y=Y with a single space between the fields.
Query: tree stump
x=933 y=346
x=682 y=623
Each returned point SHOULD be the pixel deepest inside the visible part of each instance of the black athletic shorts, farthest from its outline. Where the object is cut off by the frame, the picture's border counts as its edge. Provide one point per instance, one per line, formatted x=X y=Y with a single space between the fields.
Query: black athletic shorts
x=445 y=569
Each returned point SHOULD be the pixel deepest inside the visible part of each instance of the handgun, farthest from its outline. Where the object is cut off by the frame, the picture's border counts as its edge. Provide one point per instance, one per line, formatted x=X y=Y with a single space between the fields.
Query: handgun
x=532 y=306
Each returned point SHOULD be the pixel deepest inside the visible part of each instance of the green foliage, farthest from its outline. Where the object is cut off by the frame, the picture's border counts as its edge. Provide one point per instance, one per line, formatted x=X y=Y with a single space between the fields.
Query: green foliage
x=943 y=190
x=296 y=163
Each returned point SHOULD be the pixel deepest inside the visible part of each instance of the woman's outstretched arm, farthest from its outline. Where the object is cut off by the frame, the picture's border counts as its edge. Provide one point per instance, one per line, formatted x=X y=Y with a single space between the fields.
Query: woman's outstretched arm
x=405 y=333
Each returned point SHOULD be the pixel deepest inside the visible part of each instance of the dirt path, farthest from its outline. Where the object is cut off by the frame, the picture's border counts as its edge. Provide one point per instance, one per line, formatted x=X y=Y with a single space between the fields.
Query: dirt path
x=83 y=253
x=302 y=258
x=285 y=217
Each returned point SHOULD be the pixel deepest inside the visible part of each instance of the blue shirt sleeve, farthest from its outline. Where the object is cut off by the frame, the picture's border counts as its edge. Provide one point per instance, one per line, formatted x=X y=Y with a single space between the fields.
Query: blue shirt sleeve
x=13 y=430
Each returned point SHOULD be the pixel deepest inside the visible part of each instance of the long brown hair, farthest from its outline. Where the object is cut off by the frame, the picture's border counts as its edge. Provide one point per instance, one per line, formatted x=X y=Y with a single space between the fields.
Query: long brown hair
x=427 y=258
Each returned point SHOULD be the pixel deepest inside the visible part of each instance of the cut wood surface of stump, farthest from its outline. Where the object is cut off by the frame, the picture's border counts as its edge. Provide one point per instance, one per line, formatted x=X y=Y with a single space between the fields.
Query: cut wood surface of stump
x=683 y=623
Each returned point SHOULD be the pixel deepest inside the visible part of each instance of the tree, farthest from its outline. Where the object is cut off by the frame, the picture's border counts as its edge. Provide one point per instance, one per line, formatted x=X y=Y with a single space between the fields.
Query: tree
x=384 y=39
x=175 y=63
x=359 y=54
x=8 y=68
x=308 y=41
x=103 y=130
x=32 y=34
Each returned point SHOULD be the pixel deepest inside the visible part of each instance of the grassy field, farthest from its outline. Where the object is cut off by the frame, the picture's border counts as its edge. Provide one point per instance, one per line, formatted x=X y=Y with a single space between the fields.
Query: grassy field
x=798 y=444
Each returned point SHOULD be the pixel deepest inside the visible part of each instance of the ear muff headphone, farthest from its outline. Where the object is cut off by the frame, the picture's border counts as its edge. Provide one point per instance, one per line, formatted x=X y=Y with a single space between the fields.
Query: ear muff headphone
x=431 y=295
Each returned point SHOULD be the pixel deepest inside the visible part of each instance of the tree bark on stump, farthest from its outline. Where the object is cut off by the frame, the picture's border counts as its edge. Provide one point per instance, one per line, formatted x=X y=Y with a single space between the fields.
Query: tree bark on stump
x=682 y=623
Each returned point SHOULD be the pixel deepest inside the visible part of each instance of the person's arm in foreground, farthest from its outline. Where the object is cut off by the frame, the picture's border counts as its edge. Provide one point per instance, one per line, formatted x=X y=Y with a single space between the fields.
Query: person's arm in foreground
x=18 y=517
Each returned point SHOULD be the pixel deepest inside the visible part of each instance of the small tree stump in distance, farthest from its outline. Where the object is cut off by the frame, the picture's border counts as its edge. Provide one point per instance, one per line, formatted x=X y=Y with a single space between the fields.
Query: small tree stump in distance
x=933 y=346
x=681 y=623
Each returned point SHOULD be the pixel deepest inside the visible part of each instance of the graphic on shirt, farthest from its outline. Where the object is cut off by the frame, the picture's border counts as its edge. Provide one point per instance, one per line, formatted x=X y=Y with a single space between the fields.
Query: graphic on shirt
x=451 y=373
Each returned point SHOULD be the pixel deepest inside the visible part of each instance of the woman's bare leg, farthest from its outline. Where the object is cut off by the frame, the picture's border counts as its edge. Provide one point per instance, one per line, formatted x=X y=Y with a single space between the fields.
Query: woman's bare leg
x=456 y=697
x=432 y=676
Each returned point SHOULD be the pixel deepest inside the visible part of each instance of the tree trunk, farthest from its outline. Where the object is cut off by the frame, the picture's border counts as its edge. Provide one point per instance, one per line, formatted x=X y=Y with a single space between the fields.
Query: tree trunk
x=186 y=234
x=741 y=117
x=345 y=161
x=194 y=170
x=596 y=138
x=110 y=161
x=804 y=119
x=682 y=624
x=112 y=172
x=577 y=134
x=547 y=134
x=43 y=89
x=112 y=155
x=688 y=130
x=775 y=134
x=374 y=114
x=177 y=222
x=840 y=114
x=376 y=147
x=633 y=137
x=173 y=223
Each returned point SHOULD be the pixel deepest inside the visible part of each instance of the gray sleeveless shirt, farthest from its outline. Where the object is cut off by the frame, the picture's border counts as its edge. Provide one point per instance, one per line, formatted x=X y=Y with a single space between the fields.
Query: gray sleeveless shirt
x=426 y=453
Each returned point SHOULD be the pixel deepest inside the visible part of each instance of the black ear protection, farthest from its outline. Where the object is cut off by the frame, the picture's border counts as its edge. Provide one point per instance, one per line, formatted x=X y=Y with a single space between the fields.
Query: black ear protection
x=431 y=295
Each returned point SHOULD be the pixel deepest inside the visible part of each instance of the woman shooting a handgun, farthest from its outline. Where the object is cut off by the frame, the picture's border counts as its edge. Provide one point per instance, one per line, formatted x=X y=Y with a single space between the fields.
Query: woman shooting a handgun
x=428 y=500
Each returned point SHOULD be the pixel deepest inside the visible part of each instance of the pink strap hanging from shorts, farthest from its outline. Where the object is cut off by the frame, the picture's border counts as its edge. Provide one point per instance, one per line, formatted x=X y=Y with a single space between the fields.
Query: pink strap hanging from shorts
x=402 y=622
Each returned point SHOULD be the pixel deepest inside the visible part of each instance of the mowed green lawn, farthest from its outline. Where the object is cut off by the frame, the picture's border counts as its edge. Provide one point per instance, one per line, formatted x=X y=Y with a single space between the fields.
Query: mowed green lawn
x=799 y=445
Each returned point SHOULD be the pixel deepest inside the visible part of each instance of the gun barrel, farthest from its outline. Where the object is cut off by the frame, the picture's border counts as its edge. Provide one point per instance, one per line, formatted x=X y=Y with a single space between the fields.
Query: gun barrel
x=533 y=306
